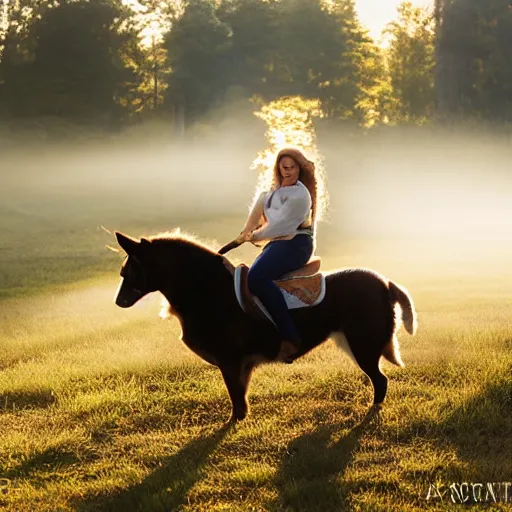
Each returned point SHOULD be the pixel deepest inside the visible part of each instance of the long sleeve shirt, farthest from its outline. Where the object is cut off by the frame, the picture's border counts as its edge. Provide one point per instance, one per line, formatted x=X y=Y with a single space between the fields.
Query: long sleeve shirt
x=285 y=209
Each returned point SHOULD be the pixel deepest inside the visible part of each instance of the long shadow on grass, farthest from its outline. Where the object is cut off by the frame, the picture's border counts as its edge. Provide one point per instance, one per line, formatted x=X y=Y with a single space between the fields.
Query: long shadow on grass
x=43 y=463
x=15 y=400
x=479 y=430
x=166 y=488
x=306 y=478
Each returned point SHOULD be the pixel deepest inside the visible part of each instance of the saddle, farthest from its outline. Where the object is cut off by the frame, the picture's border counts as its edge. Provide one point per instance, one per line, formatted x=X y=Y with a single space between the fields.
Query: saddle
x=303 y=287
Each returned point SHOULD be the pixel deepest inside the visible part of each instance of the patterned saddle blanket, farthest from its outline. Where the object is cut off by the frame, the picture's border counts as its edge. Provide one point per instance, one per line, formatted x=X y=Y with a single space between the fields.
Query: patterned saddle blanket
x=302 y=288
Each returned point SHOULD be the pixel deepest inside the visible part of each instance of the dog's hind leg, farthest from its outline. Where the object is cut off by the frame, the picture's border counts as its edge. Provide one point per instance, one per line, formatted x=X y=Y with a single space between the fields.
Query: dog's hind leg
x=368 y=361
x=370 y=366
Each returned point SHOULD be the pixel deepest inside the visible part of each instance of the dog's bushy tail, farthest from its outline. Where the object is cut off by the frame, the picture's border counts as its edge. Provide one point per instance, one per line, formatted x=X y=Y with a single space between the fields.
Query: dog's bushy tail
x=409 y=317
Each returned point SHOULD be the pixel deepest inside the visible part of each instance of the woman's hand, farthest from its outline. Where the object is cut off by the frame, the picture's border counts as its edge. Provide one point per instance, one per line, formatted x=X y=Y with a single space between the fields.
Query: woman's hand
x=244 y=236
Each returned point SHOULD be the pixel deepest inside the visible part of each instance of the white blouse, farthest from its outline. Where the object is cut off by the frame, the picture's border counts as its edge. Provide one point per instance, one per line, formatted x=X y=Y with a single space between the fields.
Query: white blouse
x=285 y=208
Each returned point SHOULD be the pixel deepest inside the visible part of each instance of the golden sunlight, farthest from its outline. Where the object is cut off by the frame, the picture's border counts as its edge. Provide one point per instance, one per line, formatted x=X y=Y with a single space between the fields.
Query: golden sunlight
x=151 y=34
x=4 y=4
x=152 y=24
x=290 y=123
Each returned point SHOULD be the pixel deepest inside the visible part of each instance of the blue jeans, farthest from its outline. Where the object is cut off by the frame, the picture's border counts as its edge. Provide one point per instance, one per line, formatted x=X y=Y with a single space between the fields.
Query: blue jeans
x=278 y=258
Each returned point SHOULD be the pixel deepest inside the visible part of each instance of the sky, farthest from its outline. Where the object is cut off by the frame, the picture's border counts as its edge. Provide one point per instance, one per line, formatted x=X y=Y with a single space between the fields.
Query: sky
x=376 y=14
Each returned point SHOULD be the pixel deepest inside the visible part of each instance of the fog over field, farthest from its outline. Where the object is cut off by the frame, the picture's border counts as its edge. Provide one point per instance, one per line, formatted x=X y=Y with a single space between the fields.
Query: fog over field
x=415 y=184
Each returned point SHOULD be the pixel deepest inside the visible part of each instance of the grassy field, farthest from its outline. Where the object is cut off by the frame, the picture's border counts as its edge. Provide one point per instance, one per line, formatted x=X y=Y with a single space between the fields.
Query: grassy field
x=105 y=409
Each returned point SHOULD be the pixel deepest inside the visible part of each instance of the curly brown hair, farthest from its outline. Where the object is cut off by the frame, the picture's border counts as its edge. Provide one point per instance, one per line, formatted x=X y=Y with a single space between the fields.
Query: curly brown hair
x=306 y=175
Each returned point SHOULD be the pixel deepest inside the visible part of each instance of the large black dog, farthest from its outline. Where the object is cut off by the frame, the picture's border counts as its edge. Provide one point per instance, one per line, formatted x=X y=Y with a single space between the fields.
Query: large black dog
x=358 y=311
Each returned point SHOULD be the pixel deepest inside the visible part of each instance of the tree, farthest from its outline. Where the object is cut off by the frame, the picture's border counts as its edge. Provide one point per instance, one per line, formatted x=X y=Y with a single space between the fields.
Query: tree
x=411 y=64
x=308 y=45
x=355 y=91
x=198 y=47
x=475 y=42
x=304 y=48
x=16 y=19
x=68 y=65
x=253 y=25
x=146 y=55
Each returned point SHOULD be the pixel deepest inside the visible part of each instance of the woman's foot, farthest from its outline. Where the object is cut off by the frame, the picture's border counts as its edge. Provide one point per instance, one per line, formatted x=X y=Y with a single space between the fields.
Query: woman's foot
x=288 y=352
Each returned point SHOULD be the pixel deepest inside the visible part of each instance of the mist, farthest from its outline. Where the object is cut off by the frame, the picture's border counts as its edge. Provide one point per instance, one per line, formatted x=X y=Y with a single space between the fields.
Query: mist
x=422 y=183
x=415 y=184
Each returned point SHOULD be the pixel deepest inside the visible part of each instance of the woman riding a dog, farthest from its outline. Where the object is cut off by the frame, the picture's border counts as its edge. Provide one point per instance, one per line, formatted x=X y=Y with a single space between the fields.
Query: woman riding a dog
x=285 y=217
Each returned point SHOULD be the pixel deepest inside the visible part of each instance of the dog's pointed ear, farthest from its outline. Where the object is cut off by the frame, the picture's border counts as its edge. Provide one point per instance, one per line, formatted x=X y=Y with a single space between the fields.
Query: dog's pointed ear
x=128 y=244
x=144 y=241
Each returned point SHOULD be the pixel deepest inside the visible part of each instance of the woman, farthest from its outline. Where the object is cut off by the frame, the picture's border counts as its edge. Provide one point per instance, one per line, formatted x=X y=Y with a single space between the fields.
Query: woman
x=284 y=216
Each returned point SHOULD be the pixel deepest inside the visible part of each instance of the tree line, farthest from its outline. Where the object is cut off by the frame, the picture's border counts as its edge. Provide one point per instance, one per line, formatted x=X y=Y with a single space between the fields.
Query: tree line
x=108 y=63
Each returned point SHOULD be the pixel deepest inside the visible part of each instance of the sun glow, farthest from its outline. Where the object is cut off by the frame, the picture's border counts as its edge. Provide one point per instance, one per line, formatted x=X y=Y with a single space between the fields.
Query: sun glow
x=152 y=24
x=376 y=15
x=290 y=123
x=165 y=309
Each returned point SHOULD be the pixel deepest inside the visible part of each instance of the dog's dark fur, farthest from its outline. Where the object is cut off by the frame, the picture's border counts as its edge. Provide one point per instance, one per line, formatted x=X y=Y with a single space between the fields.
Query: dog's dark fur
x=198 y=284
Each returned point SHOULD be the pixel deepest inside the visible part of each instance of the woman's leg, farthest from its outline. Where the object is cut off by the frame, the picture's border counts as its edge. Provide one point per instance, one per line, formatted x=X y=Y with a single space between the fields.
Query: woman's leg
x=278 y=258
